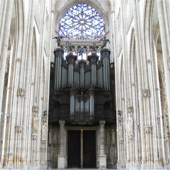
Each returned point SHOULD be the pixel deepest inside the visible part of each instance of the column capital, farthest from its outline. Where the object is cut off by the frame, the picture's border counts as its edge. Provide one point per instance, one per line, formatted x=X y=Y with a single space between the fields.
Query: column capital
x=61 y=122
x=102 y=122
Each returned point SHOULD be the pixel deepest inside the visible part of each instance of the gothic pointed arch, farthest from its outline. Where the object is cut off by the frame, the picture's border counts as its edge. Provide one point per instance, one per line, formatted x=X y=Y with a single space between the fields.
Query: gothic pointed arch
x=96 y=5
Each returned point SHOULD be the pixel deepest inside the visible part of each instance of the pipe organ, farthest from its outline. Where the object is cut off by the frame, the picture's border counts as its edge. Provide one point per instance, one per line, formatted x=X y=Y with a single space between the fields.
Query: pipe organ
x=80 y=90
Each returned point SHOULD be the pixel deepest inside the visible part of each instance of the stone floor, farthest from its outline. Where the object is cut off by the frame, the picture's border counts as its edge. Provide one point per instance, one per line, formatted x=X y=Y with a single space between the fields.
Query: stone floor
x=81 y=169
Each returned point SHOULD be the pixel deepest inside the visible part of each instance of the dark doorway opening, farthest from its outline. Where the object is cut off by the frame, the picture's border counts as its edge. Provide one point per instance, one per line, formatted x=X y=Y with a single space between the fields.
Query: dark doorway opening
x=81 y=149
x=74 y=149
x=89 y=149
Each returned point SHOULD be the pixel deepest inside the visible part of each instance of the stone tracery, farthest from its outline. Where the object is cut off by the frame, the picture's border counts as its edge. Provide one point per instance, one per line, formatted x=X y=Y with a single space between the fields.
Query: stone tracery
x=82 y=22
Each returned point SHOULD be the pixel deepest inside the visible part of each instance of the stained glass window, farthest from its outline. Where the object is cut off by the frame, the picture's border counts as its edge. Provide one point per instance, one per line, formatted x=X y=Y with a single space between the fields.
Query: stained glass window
x=82 y=22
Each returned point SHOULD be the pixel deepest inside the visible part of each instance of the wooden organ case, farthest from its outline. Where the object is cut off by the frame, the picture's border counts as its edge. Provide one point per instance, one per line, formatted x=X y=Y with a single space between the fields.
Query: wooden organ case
x=82 y=91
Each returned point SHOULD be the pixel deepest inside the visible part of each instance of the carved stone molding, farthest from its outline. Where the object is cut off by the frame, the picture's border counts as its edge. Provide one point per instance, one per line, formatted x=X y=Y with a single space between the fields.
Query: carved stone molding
x=87 y=43
x=21 y=92
x=19 y=128
x=35 y=108
x=146 y=93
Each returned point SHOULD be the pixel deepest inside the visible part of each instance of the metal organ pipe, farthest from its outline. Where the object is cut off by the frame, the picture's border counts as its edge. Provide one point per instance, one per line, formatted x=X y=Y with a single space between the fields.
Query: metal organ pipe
x=58 y=61
x=82 y=103
x=71 y=60
x=93 y=58
x=82 y=74
x=105 y=56
x=91 y=102
x=72 y=103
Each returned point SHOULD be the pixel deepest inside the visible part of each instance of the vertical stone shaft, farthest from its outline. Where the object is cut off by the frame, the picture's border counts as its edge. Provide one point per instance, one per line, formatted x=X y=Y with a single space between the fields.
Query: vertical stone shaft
x=105 y=55
x=58 y=61
x=166 y=59
x=102 y=156
x=138 y=52
x=102 y=135
x=61 y=151
x=5 y=47
x=61 y=156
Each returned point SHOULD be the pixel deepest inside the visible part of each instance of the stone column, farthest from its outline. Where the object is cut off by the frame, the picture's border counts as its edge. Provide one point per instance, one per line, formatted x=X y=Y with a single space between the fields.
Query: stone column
x=166 y=62
x=102 y=156
x=61 y=156
x=5 y=48
x=139 y=75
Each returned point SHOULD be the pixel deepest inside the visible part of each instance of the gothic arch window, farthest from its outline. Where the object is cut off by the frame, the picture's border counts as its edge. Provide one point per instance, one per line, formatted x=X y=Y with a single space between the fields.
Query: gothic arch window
x=82 y=22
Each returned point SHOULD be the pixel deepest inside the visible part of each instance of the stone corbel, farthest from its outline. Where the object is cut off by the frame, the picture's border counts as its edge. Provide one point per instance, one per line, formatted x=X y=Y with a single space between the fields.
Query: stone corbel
x=19 y=128
x=148 y=129
x=120 y=119
x=35 y=109
x=34 y=136
x=149 y=61
x=121 y=141
x=130 y=109
x=146 y=93
x=44 y=119
x=43 y=141
x=131 y=137
x=21 y=92
x=18 y=60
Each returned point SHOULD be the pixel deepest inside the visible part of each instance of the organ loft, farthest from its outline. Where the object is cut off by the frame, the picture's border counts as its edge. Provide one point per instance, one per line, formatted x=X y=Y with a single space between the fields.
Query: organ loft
x=82 y=99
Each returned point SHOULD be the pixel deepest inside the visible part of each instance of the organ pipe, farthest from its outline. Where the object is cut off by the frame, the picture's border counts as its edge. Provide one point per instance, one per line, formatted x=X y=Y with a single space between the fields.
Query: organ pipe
x=105 y=56
x=58 y=61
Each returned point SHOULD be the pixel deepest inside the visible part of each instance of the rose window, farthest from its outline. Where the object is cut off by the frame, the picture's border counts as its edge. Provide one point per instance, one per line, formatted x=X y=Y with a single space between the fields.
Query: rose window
x=82 y=22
